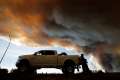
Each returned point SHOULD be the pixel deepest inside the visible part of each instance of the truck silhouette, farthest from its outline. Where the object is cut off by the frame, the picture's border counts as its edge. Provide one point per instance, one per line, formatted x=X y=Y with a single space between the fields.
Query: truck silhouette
x=49 y=59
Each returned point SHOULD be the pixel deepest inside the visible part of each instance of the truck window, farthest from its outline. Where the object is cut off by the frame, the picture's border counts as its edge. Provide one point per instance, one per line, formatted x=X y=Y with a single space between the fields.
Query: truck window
x=48 y=52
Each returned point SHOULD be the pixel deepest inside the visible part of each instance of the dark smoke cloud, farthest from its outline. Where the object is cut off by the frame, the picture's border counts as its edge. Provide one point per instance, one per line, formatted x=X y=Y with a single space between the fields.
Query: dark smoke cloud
x=86 y=22
x=89 y=20
x=65 y=22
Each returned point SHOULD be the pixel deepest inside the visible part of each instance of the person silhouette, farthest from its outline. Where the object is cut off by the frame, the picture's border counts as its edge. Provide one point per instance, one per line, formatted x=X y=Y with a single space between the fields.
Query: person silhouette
x=84 y=64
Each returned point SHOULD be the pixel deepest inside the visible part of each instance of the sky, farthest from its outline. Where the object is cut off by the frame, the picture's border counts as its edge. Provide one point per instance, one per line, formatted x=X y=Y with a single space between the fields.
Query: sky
x=70 y=24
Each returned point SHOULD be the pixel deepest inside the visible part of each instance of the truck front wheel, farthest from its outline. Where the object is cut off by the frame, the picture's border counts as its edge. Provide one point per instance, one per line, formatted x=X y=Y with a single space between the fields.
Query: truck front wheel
x=24 y=66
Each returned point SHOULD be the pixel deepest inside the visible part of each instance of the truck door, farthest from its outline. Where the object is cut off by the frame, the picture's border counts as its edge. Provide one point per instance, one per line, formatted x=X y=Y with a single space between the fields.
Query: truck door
x=50 y=60
x=45 y=60
x=38 y=60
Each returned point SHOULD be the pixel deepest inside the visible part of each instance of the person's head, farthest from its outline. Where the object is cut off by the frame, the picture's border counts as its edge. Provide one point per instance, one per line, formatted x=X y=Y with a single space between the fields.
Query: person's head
x=82 y=55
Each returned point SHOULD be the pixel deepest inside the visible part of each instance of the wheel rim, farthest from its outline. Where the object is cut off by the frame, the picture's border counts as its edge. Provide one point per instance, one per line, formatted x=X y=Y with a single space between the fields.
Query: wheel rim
x=70 y=69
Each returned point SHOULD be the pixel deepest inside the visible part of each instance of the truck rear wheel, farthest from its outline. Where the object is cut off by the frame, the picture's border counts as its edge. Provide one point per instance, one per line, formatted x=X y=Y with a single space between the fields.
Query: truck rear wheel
x=69 y=67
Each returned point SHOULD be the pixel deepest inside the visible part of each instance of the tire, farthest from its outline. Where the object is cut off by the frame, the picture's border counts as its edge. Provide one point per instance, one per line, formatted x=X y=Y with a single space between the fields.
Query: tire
x=69 y=67
x=23 y=66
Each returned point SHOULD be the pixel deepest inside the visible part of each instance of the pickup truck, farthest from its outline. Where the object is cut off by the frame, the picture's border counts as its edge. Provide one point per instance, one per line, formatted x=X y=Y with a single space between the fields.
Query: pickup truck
x=49 y=59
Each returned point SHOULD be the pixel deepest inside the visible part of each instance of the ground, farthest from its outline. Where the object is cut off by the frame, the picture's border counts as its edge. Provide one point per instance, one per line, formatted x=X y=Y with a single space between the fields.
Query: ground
x=16 y=75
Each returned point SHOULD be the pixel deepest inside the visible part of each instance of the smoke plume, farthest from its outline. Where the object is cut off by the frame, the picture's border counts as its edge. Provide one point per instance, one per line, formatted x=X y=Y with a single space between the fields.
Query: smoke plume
x=69 y=23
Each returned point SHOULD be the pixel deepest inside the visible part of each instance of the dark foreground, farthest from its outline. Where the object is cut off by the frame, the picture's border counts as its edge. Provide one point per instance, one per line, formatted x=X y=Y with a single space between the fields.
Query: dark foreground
x=15 y=75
